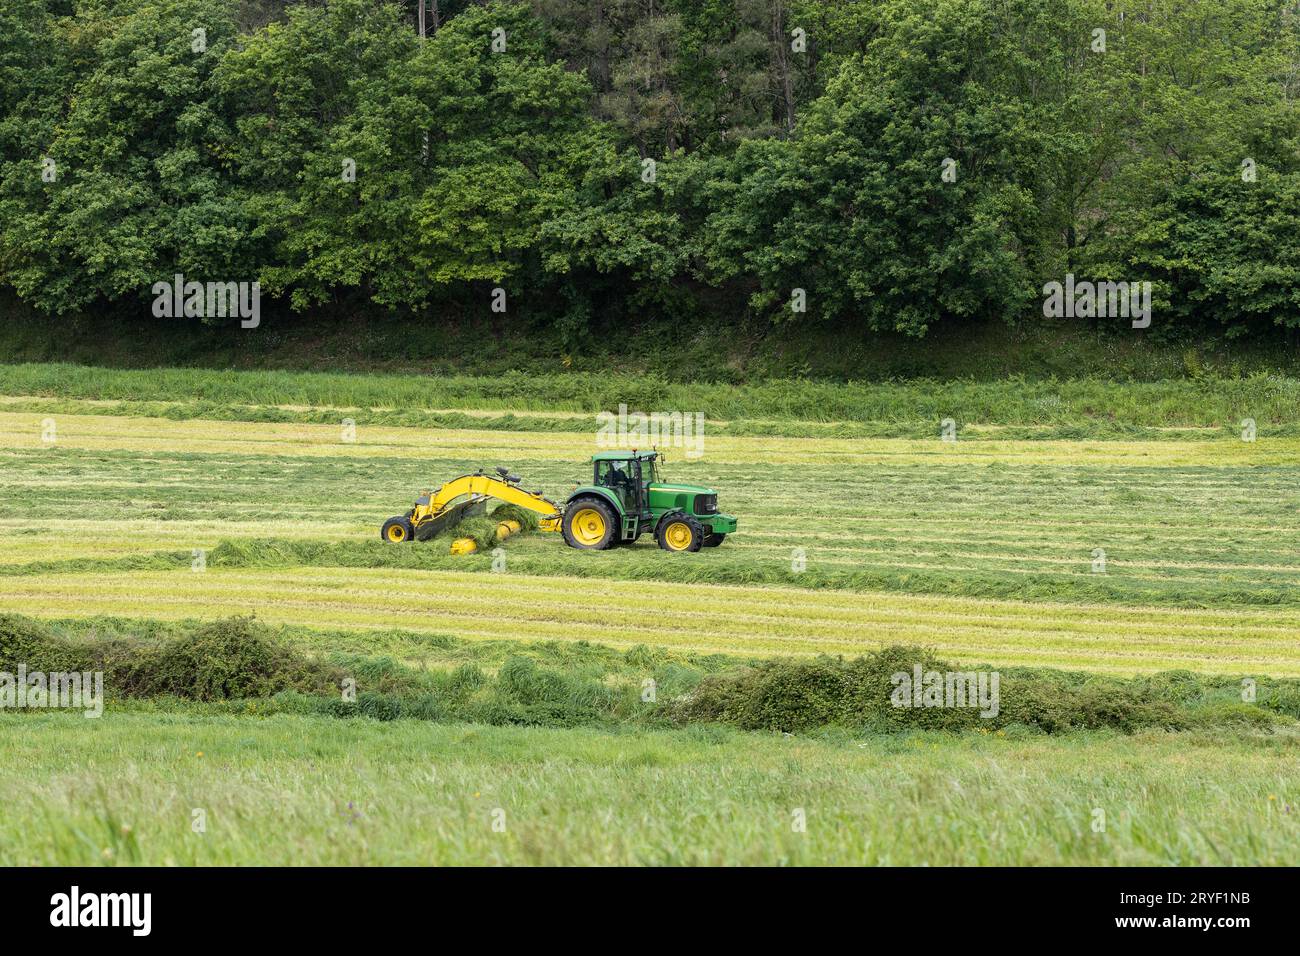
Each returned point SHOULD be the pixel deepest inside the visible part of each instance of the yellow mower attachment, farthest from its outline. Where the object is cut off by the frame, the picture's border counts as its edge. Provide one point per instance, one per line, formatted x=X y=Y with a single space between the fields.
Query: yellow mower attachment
x=444 y=506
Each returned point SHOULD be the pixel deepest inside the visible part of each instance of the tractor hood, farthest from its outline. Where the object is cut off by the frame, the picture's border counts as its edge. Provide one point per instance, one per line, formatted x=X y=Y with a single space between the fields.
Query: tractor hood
x=676 y=487
x=693 y=499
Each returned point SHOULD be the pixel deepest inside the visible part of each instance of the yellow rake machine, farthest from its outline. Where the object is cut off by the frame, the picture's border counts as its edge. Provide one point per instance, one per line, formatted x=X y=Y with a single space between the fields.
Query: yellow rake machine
x=466 y=497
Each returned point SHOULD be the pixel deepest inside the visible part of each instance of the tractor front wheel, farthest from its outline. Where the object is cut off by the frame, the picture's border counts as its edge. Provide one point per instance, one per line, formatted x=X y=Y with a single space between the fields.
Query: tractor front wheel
x=680 y=532
x=712 y=540
x=396 y=530
x=590 y=525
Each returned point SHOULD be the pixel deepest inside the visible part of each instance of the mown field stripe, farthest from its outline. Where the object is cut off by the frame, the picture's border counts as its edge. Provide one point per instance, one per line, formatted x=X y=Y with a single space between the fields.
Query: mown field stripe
x=92 y=432
x=705 y=617
x=914 y=424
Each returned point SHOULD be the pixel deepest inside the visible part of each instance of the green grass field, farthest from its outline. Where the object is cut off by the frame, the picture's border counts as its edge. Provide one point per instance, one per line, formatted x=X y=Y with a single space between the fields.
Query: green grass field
x=291 y=790
x=859 y=529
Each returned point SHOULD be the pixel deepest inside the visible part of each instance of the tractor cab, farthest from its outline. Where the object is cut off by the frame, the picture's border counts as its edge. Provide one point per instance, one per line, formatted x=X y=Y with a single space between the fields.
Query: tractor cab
x=629 y=477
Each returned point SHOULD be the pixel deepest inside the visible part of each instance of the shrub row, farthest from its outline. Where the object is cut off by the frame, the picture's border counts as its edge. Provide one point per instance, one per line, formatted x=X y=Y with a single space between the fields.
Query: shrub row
x=238 y=660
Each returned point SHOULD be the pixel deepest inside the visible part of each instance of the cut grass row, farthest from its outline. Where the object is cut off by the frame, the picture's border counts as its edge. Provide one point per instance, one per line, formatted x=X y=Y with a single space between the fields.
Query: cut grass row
x=1206 y=402
x=753 y=621
x=544 y=556
x=25 y=431
x=539 y=421
x=293 y=790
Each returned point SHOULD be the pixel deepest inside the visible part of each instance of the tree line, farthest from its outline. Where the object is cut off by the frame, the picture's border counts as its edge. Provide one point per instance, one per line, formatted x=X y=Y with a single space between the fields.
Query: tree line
x=900 y=165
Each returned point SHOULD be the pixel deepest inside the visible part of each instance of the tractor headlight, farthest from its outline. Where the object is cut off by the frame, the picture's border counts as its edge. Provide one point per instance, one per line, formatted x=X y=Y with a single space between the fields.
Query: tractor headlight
x=706 y=504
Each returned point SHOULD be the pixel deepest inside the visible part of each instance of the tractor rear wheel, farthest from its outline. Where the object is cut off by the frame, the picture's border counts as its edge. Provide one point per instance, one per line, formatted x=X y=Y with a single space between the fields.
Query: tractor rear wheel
x=590 y=525
x=396 y=530
x=712 y=540
x=680 y=532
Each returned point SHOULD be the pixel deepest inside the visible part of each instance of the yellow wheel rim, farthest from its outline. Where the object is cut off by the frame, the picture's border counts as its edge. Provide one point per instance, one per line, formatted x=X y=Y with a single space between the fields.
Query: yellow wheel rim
x=678 y=536
x=588 y=526
x=396 y=533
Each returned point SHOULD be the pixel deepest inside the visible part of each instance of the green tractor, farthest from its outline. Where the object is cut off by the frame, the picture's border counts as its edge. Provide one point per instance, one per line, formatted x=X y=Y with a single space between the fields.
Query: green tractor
x=628 y=498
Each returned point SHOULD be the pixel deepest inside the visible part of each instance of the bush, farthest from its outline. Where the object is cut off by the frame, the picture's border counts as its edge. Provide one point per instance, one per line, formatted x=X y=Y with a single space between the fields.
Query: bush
x=1223 y=714
x=29 y=643
x=231 y=658
x=227 y=659
x=795 y=695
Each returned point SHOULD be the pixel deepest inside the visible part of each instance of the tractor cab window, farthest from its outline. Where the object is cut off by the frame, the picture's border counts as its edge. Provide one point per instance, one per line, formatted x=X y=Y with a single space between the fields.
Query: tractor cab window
x=621 y=477
x=610 y=474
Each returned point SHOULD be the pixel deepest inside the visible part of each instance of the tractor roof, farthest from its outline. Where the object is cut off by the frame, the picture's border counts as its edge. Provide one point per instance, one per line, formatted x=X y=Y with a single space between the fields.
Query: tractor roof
x=623 y=455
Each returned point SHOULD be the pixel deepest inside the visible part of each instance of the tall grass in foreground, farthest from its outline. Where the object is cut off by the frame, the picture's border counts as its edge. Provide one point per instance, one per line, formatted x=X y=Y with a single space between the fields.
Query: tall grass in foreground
x=298 y=790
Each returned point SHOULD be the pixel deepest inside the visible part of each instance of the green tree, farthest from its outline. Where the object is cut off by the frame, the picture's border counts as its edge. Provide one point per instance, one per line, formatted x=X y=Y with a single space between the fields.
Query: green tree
x=856 y=210
x=139 y=192
x=378 y=163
